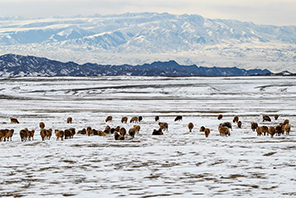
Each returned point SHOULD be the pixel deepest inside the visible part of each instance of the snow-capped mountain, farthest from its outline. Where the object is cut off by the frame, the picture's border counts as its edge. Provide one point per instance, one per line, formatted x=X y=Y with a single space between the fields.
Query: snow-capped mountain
x=147 y=37
x=12 y=65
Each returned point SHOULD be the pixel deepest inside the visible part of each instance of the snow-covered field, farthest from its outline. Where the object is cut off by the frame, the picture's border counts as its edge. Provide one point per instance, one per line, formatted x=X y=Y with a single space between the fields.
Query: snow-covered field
x=177 y=164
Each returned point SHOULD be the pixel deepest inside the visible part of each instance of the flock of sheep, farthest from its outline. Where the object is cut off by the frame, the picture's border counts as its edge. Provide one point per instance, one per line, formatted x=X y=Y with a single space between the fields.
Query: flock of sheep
x=120 y=133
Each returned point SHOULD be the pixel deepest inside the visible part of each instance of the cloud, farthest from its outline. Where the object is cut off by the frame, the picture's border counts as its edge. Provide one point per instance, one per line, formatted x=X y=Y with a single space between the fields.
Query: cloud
x=277 y=12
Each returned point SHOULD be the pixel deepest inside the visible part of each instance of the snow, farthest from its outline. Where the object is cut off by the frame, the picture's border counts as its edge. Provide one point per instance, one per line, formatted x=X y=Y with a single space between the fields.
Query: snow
x=178 y=164
x=147 y=37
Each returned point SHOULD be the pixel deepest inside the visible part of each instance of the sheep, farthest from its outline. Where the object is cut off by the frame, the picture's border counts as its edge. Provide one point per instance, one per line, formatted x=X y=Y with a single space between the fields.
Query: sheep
x=164 y=126
x=8 y=135
x=157 y=132
x=73 y=132
x=271 y=131
x=107 y=129
x=41 y=125
x=259 y=131
x=286 y=122
x=69 y=120
x=254 y=126
x=276 y=116
x=67 y=134
x=224 y=130
x=83 y=132
x=89 y=131
x=235 y=119
x=207 y=132
x=239 y=124
x=49 y=133
x=118 y=136
x=3 y=134
x=101 y=133
x=109 y=118
x=23 y=135
x=287 y=128
x=134 y=119
x=59 y=134
x=137 y=128
x=43 y=134
x=202 y=129
x=178 y=118
x=266 y=118
x=124 y=120
x=118 y=128
x=279 y=130
x=156 y=118
x=122 y=131
x=227 y=124
x=264 y=130
x=132 y=132
x=140 y=118
x=220 y=116
x=14 y=120
x=190 y=126
x=31 y=134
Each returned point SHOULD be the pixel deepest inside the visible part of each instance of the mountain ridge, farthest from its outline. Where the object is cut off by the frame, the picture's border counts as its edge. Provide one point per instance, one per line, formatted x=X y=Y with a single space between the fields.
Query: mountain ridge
x=12 y=65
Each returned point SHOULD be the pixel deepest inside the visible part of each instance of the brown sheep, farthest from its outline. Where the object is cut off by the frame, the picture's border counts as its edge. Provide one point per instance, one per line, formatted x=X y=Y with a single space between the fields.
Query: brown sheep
x=107 y=129
x=190 y=126
x=254 y=126
x=43 y=134
x=279 y=130
x=101 y=133
x=235 y=119
x=117 y=128
x=271 y=131
x=8 y=135
x=137 y=128
x=202 y=129
x=122 y=131
x=266 y=118
x=227 y=124
x=82 y=132
x=276 y=116
x=49 y=133
x=259 y=131
x=239 y=124
x=41 y=125
x=69 y=120
x=3 y=134
x=164 y=126
x=89 y=131
x=207 y=132
x=109 y=118
x=224 y=130
x=73 y=132
x=157 y=132
x=220 y=116
x=118 y=136
x=287 y=128
x=31 y=134
x=59 y=134
x=23 y=135
x=124 y=120
x=134 y=119
x=132 y=132
x=156 y=118
x=14 y=120
x=67 y=134
x=286 y=122
x=178 y=118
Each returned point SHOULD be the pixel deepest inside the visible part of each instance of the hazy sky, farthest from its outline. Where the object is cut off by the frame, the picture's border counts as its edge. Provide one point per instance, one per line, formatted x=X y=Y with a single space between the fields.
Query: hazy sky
x=275 y=12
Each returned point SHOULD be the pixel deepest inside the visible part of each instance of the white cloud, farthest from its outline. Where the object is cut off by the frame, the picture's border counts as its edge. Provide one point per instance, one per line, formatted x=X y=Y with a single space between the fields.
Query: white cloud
x=277 y=12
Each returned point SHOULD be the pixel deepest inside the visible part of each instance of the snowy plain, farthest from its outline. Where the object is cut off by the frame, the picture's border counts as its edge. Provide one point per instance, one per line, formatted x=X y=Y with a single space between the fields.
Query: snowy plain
x=177 y=164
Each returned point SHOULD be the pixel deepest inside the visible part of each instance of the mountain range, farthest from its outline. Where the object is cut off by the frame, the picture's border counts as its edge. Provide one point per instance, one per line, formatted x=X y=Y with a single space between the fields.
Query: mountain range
x=12 y=65
x=138 y=38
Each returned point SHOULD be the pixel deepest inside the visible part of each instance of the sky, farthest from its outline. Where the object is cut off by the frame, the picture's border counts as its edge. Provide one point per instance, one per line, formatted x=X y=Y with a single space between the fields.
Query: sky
x=268 y=12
